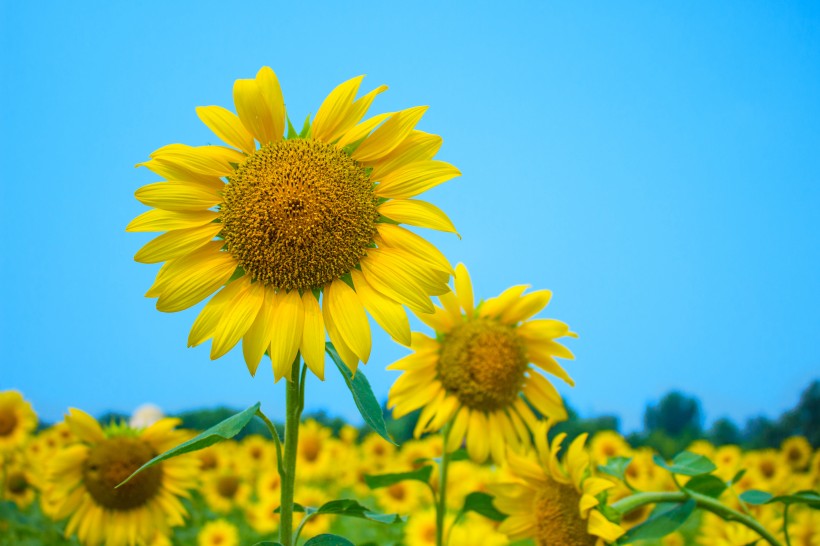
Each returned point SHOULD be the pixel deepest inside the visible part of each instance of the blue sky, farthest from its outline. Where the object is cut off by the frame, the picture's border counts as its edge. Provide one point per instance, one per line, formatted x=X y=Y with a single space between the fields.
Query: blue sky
x=654 y=164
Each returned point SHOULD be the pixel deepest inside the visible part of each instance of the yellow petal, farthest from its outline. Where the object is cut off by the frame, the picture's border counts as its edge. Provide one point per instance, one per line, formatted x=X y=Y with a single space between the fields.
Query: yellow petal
x=478 y=444
x=227 y=126
x=398 y=237
x=361 y=130
x=195 y=276
x=85 y=427
x=456 y=436
x=418 y=146
x=179 y=196
x=208 y=160
x=542 y=394
x=433 y=281
x=602 y=527
x=208 y=319
x=274 y=100
x=542 y=358
x=359 y=109
x=237 y=317
x=173 y=172
x=349 y=317
x=345 y=353
x=287 y=325
x=313 y=336
x=387 y=313
x=166 y=220
x=417 y=213
x=450 y=303
x=381 y=274
x=496 y=440
x=494 y=307
x=543 y=329
x=526 y=306
x=257 y=338
x=439 y=320
x=415 y=178
x=334 y=110
x=388 y=136
x=464 y=289
x=176 y=243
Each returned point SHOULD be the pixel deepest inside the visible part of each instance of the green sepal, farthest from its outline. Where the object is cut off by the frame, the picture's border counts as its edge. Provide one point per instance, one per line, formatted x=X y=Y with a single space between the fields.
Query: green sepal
x=225 y=430
x=482 y=503
x=706 y=484
x=363 y=396
x=305 y=132
x=687 y=463
x=664 y=519
x=376 y=481
x=291 y=130
x=328 y=540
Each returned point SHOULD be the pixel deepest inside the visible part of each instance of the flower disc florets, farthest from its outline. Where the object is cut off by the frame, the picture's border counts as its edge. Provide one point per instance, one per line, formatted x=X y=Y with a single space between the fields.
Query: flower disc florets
x=558 y=522
x=298 y=214
x=112 y=461
x=8 y=422
x=483 y=362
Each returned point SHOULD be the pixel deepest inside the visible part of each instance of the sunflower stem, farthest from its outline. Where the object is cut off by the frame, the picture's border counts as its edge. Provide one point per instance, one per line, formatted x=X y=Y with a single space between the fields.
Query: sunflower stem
x=441 y=507
x=276 y=439
x=633 y=502
x=294 y=402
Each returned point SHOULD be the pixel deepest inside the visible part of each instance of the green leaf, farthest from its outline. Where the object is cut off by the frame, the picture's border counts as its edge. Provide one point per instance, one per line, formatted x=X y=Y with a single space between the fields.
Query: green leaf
x=482 y=503
x=753 y=496
x=225 y=430
x=738 y=476
x=616 y=467
x=706 y=484
x=687 y=463
x=363 y=395
x=328 y=540
x=297 y=508
x=664 y=519
x=352 y=508
x=268 y=543
x=376 y=481
x=305 y=133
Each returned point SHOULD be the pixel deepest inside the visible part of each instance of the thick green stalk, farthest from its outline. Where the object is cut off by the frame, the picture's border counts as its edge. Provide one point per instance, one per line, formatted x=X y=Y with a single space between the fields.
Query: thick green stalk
x=633 y=502
x=293 y=412
x=441 y=506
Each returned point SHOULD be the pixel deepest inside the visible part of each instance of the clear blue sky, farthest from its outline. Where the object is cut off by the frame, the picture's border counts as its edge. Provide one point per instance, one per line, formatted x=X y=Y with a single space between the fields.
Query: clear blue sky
x=657 y=165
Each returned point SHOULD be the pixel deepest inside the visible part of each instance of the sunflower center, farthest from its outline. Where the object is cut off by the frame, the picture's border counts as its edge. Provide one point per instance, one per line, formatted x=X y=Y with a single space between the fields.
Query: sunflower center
x=483 y=362
x=227 y=486
x=310 y=449
x=113 y=460
x=8 y=422
x=559 y=522
x=298 y=214
x=17 y=483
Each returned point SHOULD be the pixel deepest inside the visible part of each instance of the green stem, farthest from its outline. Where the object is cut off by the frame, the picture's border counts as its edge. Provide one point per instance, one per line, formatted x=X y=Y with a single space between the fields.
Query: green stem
x=276 y=440
x=786 y=524
x=633 y=502
x=441 y=507
x=293 y=412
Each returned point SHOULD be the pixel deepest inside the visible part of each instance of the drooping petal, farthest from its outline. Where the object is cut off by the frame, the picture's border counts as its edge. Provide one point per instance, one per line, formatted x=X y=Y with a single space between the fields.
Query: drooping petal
x=258 y=337
x=543 y=395
x=209 y=317
x=347 y=355
x=176 y=243
x=602 y=527
x=286 y=325
x=478 y=443
x=382 y=275
x=193 y=277
x=313 y=337
x=349 y=317
x=457 y=431
x=398 y=237
x=237 y=317
x=387 y=313
x=227 y=126
x=417 y=213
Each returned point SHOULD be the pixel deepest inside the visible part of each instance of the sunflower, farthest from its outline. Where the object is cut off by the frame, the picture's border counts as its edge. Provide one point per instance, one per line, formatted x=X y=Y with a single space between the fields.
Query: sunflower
x=218 y=533
x=796 y=452
x=17 y=421
x=478 y=366
x=273 y=225
x=81 y=480
x=552 y=502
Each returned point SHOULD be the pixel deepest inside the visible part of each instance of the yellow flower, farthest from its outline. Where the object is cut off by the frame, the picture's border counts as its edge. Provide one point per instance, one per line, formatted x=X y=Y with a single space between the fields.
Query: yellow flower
x=421 y=528
x=81 y=482
x=478 y=366
x=796 y=452
x=225 y=490
x=606 y=444
x=312 y=455
x=218 y=533
x=19 y=485
x=551 y=502
x=276 y=227
x=17 y=421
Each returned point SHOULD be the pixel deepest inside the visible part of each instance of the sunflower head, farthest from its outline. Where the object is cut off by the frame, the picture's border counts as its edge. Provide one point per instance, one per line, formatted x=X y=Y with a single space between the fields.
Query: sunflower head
x=17 y=421
x=298 y=234
x=483 y=371
x=554 y=501
x=82 y=481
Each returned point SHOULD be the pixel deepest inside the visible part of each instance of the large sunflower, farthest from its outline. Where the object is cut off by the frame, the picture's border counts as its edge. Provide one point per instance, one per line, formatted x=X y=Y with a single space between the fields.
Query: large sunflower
x=81 y=480
x=554 y=503
x=275 y=224
x=476 y=370
x=17 y=421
